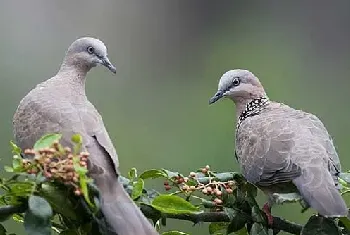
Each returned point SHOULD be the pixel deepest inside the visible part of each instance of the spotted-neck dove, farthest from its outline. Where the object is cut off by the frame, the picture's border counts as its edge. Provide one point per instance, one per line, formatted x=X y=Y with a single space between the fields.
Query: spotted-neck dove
x=281 y=149
x=60 y=105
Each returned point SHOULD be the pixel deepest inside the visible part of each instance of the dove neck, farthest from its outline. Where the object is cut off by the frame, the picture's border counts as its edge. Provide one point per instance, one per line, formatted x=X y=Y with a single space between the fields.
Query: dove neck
x=75 y=66
x=250 y=108
x=80 y=70
x=74 y=77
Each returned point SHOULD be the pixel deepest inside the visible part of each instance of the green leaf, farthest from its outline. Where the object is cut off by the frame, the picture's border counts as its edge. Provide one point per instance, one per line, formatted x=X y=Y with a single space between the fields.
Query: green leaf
x=346 y=222
x=231 y=213
x=57 y=196
x=259 y=229
x=8 y=169
x=174 y=233
x=21 y=188
x=18 y=218
x=80 y=169
x=16 y=163
x=46 y=141
x=173 y=204
x=2 y=230
x=77 y=139
x=251 y=189
x=191 y=182
x=237 y=223
x=257 y=215
x=137 y=188
x=78 y=142
x=242 y=231
x=207 y=203
x=36 y=225
x=217 y=226
x=70 y=232
x=345 y=177
x=15 y=149
x=83 y=180
x=153 y=174
x=37 y=218
x=39 y=207
x=4 y=217
x=132 y=173
x=170 y=174
x=321 y=226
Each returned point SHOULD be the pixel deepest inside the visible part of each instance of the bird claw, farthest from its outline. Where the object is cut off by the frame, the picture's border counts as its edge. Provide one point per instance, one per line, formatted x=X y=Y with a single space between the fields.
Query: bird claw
x=267 y=210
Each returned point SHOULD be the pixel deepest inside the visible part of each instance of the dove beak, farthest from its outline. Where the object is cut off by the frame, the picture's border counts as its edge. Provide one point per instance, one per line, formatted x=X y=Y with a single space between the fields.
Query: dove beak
x=218 y=95
x=105 y=62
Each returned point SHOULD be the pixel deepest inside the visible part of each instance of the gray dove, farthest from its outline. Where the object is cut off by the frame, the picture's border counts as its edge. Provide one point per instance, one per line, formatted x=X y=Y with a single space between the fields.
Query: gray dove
x=60 y=105
x=281 y=149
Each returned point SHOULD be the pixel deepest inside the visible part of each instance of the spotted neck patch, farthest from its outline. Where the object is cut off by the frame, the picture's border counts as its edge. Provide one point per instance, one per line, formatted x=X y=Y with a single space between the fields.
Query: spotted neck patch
x=253 y=108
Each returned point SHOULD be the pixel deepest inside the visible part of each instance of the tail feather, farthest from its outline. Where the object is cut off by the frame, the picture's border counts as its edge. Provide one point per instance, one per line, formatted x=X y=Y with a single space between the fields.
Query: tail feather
x=318 y=189
x=123 y=216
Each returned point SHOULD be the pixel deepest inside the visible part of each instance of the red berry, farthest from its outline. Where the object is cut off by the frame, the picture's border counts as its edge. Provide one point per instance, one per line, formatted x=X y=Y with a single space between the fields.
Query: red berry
x=77 y=192
x=84 y=154
x=47 y=174
x=217 y=201
x=209 y=190
x=69 y=175
x=167 y=187
x=229 y=191
x=67 y=150
x=218 y=193
x=180 y=180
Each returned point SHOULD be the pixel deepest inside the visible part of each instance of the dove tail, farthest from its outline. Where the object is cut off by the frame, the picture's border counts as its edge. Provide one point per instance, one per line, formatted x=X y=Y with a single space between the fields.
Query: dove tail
x=123 y=216
x=321 y=194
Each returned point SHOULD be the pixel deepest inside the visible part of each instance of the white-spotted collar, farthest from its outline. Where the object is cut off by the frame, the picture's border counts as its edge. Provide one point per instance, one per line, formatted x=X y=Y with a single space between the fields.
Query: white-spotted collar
x=253 y=108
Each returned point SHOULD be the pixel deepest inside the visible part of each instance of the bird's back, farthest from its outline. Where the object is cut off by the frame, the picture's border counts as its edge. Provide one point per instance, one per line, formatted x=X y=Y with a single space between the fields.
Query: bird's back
x=283 y=138
x=280 y=148
x=60 y=105
x=36 y=115
x=54 y=107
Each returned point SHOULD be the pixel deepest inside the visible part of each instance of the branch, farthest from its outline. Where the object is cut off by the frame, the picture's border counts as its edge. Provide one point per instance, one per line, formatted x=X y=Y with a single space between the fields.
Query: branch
x=8 y=210
x=278 y=223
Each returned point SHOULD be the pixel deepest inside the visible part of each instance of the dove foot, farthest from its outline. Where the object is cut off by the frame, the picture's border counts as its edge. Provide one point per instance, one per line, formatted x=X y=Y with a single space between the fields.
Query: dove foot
x=267 y=210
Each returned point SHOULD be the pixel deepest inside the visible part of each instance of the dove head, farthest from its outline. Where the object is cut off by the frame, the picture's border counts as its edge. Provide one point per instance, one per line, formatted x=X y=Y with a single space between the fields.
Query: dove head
x=239 y=85
x=85 y=53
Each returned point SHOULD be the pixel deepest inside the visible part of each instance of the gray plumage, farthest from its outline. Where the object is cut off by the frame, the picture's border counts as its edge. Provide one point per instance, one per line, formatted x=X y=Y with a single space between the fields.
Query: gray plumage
x=59 y=105
x=281 y=149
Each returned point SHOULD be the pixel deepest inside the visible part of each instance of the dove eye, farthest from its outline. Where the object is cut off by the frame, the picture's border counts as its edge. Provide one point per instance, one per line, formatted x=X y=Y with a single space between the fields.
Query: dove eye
x=236 y=81
x=90 y=50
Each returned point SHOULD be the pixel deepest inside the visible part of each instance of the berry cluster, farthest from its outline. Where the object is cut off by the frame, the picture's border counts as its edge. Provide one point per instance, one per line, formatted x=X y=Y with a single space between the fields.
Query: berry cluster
x=192 y=183
x=56 y=163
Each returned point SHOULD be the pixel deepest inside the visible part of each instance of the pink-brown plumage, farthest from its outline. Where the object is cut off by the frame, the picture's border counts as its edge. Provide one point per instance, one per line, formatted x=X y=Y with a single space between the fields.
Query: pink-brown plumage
x=281 y=149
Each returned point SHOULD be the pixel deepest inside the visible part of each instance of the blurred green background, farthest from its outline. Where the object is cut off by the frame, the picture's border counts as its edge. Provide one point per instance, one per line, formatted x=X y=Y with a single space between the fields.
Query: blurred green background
x=170 y=56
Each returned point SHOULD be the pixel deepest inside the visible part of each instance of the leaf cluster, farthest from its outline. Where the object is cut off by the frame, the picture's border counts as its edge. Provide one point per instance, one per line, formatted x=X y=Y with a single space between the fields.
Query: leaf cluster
x=70 y=205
